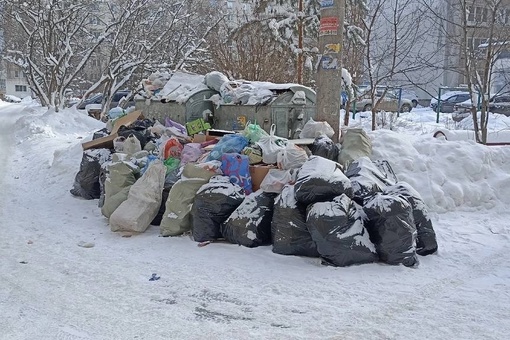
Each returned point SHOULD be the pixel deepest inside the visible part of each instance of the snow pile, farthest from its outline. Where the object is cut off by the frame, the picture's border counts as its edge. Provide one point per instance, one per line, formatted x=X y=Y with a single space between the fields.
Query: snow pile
x=41 y=122
x=497 y=122
x=450 y=175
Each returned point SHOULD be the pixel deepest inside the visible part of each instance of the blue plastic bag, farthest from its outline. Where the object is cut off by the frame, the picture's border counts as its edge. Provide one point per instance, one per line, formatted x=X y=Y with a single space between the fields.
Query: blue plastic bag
x=233 y=143
x=237 y=168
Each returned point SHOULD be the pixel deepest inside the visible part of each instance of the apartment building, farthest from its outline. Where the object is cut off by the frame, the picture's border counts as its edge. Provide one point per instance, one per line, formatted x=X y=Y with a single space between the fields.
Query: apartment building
x=478 y=30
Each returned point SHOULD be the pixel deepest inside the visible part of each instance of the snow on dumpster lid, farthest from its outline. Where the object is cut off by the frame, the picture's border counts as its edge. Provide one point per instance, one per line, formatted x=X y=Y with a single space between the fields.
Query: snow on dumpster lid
x=181 y=86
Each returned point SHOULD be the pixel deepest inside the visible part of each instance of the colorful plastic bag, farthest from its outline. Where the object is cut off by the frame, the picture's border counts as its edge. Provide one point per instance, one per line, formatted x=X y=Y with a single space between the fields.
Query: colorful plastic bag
x=237 y=168
x=173 y=148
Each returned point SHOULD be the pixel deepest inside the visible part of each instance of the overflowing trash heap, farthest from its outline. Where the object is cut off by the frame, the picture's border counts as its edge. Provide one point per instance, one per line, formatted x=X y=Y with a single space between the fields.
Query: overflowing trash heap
x=253 y=188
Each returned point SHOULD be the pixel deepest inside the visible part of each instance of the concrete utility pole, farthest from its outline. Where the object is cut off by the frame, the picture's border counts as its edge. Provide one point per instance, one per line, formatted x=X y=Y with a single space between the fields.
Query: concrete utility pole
x=329 y=73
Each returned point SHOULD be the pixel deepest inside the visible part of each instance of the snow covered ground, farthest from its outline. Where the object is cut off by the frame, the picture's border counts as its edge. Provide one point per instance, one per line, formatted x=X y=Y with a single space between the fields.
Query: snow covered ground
x=52 y=288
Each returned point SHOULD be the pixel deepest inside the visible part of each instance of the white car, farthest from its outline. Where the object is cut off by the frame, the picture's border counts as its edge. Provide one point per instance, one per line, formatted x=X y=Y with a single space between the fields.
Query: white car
x=11 y=99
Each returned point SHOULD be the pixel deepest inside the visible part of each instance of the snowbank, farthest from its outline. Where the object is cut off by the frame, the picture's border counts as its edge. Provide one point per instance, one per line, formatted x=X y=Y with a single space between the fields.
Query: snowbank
x=450 y=175
x=41 y=122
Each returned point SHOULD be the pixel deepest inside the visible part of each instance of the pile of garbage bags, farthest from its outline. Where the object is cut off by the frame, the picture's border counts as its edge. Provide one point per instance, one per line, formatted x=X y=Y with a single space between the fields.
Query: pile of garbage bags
x=324 y=200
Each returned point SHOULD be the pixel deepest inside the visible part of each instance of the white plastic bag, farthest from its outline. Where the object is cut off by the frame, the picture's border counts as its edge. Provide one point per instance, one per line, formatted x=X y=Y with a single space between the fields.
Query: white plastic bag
x=132 y=145
x=276 y=179
x=313 y=129
x=270 y=146
x=291 y=157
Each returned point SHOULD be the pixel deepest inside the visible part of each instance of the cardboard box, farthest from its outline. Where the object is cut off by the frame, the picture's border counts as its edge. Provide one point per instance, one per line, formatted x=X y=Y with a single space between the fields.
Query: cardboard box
x=258 y=173
x=100 y=143
x=199 y=138
x=107 y=142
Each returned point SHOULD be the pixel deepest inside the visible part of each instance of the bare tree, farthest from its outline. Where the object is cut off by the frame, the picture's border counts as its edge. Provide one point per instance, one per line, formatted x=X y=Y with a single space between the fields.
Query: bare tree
x=392 y=44
x=48 y=44
x=149 y=34
x=54 y=42
x=249 y=52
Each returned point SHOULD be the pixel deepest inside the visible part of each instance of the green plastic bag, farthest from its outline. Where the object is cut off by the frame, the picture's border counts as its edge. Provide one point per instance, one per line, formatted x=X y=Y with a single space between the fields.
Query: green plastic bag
x=253 y=132
x=171 y=164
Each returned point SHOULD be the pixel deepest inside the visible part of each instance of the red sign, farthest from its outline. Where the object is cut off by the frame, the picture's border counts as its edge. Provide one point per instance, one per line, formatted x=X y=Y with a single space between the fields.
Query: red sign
x=329 y=26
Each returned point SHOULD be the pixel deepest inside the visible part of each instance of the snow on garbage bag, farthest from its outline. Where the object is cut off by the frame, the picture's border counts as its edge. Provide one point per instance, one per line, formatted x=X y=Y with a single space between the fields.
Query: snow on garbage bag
x=214 y=80
x=321 y=180
x=355 y=144
x=426 y=242
x=366 y=179
x=323 y=146
x=337 y=229
x=176 y=220
x=313 y=129
x=86 y=183
x=237 y=168
x=121 y=175
x=214 y=203
x=250 y=224
x=289 y=231
x=291 y=157
x=389 y=221
x=143 y=202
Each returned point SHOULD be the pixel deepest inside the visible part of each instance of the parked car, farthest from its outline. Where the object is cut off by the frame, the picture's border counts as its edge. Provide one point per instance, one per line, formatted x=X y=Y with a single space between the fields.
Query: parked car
x=388 y=103
x=11 y=99
x=497 y=104
x=407 y=94
x=98 y=99
x=448 y=101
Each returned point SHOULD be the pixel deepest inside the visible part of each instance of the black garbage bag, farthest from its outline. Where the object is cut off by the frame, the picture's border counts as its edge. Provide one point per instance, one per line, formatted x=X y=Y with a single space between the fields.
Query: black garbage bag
x=157 y=220
x=288 y=227
x=323 y=146
x=144 y=135
x=86 y=183
x=366 y=179
x=100 y=133
x=426 y=242
x=391 y=227
x=103 y=174
x=214 y=203
x=321 y=180
x=250 y=224
x=337 y=229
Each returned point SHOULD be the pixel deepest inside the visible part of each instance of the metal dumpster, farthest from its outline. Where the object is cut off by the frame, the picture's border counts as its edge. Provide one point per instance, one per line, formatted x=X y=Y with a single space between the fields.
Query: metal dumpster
x=288 y=114
x=197 y=106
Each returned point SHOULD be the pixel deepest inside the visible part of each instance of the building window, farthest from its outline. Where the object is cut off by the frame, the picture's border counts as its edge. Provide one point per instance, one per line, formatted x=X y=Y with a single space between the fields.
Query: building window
x=230 y=5
x=17 y=74
x=20 y=88
x=477 y=14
